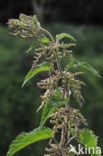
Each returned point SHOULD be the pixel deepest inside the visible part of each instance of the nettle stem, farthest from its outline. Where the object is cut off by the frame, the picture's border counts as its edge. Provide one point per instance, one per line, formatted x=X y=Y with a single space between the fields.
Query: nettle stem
x=53 y=41
x=48 y=33
x=66 y=90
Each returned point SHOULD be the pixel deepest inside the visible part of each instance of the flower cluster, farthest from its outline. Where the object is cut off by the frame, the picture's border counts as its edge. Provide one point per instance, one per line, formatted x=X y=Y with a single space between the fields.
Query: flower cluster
x=25 y=27
x=74 y=85
x=60 y=120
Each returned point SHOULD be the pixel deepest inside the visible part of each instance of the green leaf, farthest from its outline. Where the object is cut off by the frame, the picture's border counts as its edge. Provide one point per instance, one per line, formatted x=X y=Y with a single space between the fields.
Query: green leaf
x=25 y=139
x=83 y=65
x=64 y=35
x=89 y=140
x=35 y=43
x=52 y=104
x=42 y=67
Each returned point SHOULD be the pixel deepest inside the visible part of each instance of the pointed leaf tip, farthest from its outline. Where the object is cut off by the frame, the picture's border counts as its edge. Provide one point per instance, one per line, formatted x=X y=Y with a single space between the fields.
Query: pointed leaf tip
x=39 y=68
x=84 y=65
x=25 y=139
x=35 y=43
x=64 y=35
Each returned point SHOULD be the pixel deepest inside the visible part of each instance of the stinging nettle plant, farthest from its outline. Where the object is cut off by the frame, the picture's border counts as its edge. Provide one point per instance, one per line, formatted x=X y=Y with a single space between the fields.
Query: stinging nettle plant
x=60 y=88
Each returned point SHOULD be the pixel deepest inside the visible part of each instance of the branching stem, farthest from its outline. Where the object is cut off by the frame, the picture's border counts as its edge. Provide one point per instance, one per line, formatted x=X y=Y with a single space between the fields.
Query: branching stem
x=53 y=41
x=67 y=105
x=48 y=33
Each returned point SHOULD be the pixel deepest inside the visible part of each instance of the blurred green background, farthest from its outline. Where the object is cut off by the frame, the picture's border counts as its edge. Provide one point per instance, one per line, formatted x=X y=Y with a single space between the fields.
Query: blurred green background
x=18 y=105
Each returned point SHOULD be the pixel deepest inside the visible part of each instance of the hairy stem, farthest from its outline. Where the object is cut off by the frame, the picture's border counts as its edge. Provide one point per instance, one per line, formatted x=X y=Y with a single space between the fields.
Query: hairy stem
x=67 y=105
x=53 y=41
x=48 y=33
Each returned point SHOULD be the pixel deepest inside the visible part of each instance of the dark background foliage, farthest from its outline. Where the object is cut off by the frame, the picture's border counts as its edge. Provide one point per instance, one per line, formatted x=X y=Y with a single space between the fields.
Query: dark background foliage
x=82 y=19
x=81 y=11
